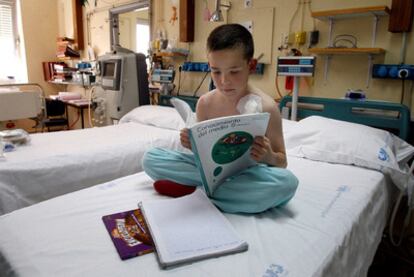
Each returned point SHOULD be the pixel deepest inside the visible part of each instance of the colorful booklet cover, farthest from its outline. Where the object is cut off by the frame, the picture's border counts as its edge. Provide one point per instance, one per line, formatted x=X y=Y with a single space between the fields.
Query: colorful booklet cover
x=129 y=233
x=222 y=146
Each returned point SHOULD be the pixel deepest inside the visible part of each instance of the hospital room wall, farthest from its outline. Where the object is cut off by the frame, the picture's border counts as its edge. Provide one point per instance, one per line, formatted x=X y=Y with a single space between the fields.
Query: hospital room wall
x=39 y=19
x=40 y=30
x=345 y=72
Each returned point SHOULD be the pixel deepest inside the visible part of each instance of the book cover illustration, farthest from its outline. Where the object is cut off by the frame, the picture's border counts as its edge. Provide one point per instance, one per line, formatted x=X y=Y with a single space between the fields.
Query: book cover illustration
x=129 y=233
x=222 y=145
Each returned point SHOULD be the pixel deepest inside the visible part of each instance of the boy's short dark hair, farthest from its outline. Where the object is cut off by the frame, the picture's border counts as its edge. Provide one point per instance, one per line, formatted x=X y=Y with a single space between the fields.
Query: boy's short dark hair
x=231 y=36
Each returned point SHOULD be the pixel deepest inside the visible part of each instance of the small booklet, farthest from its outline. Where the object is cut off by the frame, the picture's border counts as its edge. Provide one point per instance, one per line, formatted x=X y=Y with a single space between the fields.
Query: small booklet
x=189 y=228
x=221 y=146
x=129 y=233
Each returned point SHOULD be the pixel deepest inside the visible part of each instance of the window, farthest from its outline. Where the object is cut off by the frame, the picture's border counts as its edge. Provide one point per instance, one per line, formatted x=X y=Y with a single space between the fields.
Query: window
x=142 y=37
x=11 y=65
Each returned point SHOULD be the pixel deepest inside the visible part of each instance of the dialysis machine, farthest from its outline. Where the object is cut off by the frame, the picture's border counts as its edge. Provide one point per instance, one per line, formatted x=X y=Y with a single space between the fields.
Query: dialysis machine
x=123 y=80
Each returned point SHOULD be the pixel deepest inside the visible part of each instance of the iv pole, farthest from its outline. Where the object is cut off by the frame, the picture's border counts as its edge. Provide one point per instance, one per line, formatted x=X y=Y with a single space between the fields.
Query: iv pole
x=295 y=66
x=295 y=94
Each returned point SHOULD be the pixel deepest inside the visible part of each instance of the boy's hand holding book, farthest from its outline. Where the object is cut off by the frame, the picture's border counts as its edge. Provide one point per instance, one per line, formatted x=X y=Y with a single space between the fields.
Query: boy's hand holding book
x=185 y=138
x=261 y=150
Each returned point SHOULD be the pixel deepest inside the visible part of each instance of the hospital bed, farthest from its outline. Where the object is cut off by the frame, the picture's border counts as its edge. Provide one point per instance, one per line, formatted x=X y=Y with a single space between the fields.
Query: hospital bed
x=56 y=163
x=331 y=227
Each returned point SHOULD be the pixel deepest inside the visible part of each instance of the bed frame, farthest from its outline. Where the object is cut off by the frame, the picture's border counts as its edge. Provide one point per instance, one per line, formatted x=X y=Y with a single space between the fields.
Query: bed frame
x=392 y=117
x=26 y=102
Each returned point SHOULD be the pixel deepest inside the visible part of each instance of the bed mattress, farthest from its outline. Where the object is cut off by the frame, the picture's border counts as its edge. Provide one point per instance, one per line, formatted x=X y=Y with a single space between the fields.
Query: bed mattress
x=331 y=227
x=53 y=164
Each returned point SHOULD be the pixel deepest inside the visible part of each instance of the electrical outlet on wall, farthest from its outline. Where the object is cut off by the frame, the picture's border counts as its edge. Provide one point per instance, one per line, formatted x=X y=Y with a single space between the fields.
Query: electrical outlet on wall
x=393 y=71
x=248 y=3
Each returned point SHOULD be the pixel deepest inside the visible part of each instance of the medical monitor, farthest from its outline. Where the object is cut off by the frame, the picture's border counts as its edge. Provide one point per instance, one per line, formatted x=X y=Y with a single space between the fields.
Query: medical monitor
x=111 y=73
x=109 y=69
x=124 y=79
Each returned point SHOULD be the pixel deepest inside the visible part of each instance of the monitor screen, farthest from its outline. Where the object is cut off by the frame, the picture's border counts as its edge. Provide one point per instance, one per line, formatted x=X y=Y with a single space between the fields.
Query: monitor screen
x=109 y=69
x=110 y=72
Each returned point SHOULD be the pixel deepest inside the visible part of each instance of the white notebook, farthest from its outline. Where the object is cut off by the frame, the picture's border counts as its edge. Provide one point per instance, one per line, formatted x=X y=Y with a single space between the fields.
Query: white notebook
x=188 y=229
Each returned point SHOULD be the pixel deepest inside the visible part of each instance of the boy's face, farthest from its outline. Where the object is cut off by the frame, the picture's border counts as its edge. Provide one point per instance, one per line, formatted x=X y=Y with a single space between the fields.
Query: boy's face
x=229 y=71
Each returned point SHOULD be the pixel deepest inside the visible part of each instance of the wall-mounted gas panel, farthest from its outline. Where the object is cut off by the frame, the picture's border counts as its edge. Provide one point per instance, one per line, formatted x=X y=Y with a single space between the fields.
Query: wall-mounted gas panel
x=204 y=67
x=393 y=71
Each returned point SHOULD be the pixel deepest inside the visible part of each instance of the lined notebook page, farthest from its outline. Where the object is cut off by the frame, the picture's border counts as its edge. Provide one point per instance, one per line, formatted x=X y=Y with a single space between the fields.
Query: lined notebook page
x=189 y=228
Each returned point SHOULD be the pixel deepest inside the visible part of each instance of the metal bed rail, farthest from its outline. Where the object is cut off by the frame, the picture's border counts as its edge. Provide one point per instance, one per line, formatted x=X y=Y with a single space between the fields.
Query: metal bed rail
x=26 y=87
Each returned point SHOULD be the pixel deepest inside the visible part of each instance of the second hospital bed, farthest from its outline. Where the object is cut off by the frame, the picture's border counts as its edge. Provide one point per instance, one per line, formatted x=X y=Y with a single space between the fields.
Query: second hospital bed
x=56 y=163
x=331 y=227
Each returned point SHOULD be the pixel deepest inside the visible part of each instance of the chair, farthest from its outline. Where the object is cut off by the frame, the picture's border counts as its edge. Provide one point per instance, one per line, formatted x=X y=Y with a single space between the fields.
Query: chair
x=55 y=115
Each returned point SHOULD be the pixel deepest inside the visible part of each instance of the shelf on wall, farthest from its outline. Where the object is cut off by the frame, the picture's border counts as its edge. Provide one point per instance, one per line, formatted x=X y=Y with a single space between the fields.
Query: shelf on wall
x=69 y=83
x=170 y=54
x=350 y=13
x=344 y=51
x=66 y=58
x=64 y=83
x=331 y=15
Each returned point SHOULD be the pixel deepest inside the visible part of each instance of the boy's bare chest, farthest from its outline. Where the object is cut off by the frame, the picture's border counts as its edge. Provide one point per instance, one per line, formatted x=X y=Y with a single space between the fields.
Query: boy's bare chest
x=221 y=109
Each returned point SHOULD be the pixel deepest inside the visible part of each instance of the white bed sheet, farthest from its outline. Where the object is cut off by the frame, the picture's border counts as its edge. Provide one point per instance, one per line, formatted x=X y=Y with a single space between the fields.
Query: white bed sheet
x=56 y=163
x=331 y=227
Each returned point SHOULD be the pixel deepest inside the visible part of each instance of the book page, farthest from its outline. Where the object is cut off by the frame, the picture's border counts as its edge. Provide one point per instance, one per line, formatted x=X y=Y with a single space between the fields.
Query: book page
x=184 y=110
x=189 y=228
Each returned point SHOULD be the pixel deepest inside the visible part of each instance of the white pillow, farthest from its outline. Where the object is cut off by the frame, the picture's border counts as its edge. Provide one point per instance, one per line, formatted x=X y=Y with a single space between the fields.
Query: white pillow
x=153 y=115
x=287 y=126
x=335 y=141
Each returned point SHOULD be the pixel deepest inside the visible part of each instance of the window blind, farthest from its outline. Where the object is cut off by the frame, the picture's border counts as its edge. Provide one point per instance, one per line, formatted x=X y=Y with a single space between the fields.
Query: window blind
x=6 y=19
x=8 y=38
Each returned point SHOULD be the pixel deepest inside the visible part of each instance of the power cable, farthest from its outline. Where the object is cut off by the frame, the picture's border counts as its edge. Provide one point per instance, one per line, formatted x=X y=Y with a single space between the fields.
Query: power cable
x=179 y=80
x=202 y=81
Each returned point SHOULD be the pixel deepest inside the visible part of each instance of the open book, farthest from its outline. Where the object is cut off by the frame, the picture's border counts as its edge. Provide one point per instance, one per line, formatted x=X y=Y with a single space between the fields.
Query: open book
x=221 y=146
x=188 y=229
